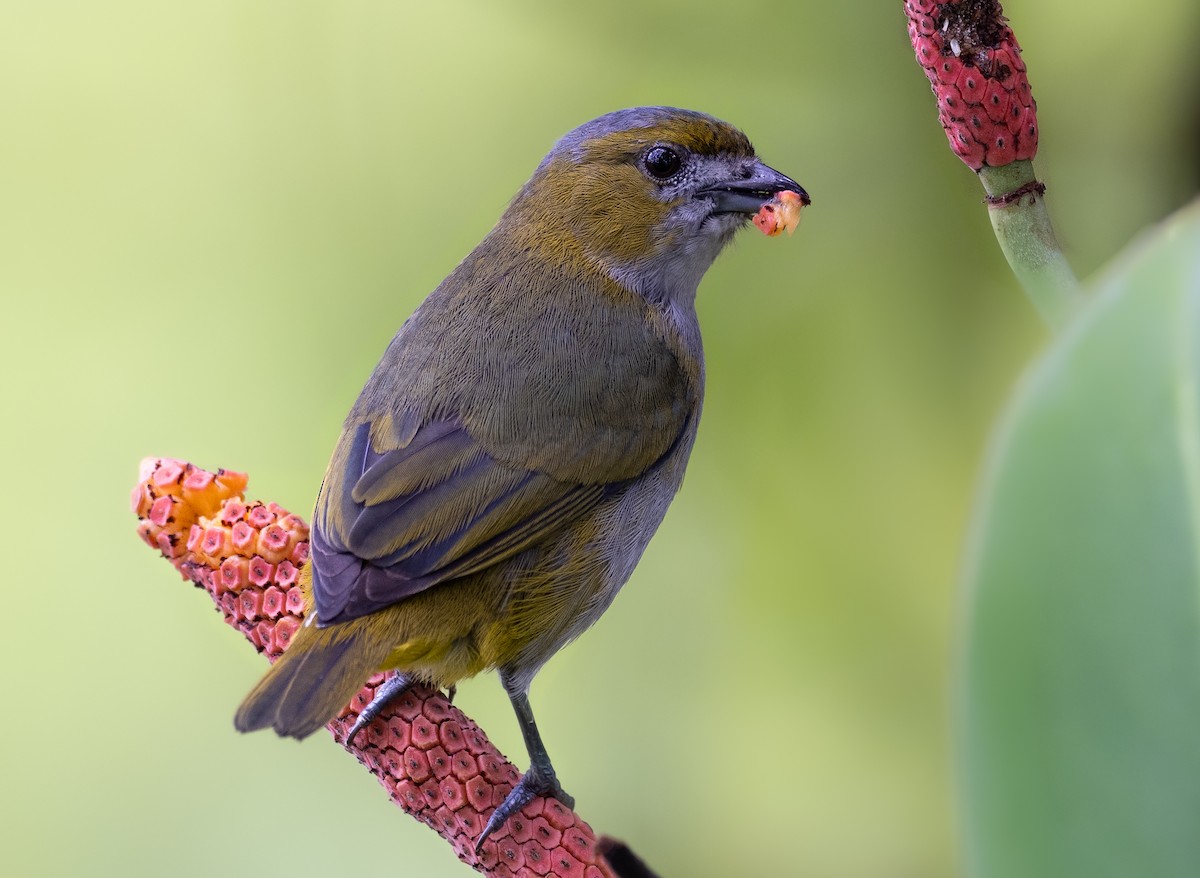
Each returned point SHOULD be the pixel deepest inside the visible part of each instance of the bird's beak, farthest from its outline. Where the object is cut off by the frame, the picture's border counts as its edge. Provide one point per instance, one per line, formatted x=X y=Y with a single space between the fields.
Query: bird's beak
x=748 y=194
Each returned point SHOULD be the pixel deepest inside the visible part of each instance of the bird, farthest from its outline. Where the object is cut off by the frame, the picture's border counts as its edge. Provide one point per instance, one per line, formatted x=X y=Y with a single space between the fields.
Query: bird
x=519 y=442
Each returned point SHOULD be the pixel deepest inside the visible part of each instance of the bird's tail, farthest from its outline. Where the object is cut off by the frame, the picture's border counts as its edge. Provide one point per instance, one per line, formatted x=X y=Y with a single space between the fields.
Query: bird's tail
x=312 y=681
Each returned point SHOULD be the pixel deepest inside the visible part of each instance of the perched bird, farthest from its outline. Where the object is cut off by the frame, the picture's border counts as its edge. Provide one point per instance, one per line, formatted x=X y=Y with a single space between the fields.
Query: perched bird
x=518 y=444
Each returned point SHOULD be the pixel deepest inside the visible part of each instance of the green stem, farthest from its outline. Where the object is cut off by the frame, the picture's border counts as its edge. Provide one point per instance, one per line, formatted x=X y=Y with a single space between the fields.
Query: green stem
x=1017 y=208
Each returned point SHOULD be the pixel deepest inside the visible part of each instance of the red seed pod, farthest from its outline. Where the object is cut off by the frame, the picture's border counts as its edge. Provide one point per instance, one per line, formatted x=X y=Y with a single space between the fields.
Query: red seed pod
x=432 y=759
x=973 y=63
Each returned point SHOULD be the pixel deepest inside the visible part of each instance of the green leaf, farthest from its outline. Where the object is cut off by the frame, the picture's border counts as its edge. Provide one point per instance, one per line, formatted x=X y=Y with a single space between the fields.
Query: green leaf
x=1080 y=699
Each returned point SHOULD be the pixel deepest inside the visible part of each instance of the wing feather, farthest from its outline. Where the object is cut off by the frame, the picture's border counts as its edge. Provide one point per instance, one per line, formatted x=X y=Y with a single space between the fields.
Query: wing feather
x=391 y=523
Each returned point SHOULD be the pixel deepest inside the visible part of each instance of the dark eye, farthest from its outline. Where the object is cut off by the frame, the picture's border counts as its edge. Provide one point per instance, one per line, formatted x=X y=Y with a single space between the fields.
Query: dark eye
x=662 y=162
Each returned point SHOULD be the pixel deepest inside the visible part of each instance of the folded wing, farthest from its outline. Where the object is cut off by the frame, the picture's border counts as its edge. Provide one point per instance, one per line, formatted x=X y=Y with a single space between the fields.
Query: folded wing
x=393 y=522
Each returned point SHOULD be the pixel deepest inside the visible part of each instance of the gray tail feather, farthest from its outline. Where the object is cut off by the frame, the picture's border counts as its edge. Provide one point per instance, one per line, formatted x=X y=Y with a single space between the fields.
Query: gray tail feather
x=308 y=686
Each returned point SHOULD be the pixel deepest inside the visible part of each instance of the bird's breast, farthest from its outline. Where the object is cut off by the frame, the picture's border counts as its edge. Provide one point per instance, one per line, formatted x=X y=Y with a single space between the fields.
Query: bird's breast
x=565 y=586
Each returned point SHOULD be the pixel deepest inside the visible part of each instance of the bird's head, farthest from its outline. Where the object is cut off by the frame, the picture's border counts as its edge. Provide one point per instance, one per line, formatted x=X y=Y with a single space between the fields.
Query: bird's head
x=650 y=195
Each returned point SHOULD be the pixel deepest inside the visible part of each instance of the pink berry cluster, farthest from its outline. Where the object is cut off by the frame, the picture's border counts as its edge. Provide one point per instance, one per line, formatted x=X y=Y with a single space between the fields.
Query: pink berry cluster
x=974 y=64
x=434 y=762
x=248 y=557
x=439 y=766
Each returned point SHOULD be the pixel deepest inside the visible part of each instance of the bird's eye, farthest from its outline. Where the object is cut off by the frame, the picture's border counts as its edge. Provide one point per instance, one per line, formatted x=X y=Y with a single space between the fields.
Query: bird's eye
x=662 y=162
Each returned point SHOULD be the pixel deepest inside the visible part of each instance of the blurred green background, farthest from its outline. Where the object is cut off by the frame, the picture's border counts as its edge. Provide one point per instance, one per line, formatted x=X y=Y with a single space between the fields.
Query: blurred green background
x=214 y=215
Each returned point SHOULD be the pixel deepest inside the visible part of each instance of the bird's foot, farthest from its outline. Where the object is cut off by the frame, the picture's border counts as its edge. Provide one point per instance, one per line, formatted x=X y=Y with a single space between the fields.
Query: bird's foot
x=535 y=782
x=391 y=689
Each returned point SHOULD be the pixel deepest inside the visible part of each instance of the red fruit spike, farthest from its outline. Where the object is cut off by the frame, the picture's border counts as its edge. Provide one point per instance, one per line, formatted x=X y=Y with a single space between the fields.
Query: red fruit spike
x=479 y=793
x=299 y=555
x=228 y=604
x=371 y=756
x=260 y=516
x=974 y=65
x=273 y=543
x=443 y=786
x=377 y=736
x=408 y=706
x=272 y=604
x=233 y=511
x=972 y=85
x=146 y=468
x=295 y=524
x=408 y=796
x=232 y=482
x=424 y=733
x=439 y=761
x=285 y=629
x=995 y=101
x=519 y=827
x=545 y=834
x=234 y=574
x=198 y=480
x=494 y=770
x=536 y=859
x=926 y=48
x=919 y=24
x=260 y=635
x=436 y=710
x=147 y=532
x=160 y=511
x=140 y=499
x=286 y=574
x=565 y=865
x=1000 y=151
x=416 y=765
x=244 y=537
x=511 y=855
x=260 y=571
x=213 y=543
x=965 y=146
x=399 y=734
x=950 y=102
x=249 y=604
x=470 y=823
x=295 y=601
x=167 y=545
x=454 y=796
x=168 y=472
x=349 y=714
x=558 y=815
x=450 y=735
x=1027 y=137
x=947 y=70
x=463 y=766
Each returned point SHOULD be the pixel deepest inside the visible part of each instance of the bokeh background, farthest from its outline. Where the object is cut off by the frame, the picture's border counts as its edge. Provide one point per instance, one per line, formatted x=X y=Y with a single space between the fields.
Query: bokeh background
x=213 y=215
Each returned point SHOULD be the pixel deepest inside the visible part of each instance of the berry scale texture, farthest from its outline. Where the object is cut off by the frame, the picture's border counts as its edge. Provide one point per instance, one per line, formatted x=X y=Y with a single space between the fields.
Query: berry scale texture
x=434 y=762
x=974 y=65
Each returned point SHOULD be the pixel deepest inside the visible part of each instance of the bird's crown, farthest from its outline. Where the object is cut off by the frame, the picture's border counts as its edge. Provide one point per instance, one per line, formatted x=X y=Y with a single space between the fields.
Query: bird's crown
x=615 y=134
x=649 y=194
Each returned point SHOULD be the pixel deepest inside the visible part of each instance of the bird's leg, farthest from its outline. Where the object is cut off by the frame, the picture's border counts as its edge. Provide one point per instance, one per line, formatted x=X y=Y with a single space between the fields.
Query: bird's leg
x=391 y=689
x=539 y=780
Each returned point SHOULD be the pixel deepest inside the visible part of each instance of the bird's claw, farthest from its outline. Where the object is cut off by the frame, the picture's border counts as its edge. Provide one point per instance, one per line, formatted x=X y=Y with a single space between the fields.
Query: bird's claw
x=533 y=783
x=389 y=690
